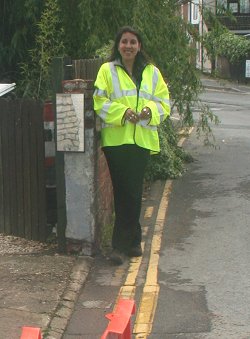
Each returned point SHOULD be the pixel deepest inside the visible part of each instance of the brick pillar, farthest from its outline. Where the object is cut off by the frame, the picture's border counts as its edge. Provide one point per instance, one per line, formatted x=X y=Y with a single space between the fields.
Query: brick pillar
x=89 y=198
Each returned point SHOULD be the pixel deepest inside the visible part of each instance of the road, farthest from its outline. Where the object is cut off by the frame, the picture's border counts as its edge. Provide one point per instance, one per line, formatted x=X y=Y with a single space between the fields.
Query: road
x=204 y=272
x=226 y=98
x=193 y=281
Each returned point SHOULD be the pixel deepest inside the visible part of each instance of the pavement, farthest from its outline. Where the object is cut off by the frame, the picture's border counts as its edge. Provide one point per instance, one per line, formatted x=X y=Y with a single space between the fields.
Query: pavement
x=210 y=82
x=38 y=286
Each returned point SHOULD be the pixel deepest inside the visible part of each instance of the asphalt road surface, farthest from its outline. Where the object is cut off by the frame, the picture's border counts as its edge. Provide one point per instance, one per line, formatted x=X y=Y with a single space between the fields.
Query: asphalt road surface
x=204 y=271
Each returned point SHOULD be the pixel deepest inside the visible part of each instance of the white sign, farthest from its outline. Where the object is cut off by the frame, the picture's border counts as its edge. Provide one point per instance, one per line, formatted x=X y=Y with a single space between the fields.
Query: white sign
x=247 y=68
x=5 y=88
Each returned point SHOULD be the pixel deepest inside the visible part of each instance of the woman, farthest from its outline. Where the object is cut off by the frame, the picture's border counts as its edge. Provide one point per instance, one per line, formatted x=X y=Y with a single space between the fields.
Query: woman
x=132 y=99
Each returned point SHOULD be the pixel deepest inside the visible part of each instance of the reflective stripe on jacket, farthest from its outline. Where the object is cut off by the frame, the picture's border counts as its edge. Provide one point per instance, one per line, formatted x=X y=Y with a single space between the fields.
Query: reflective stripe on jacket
x=115 y=92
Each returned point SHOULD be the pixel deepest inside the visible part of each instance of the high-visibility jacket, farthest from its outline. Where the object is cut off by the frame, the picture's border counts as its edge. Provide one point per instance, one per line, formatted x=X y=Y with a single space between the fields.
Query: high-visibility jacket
x=115 y=92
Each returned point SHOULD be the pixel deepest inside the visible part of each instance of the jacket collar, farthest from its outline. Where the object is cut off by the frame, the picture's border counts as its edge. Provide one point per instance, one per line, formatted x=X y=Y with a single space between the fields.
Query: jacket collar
x=117 y=62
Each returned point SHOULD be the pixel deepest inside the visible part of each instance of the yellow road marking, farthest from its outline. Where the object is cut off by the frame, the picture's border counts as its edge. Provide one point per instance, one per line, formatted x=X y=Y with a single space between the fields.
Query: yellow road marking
x=127 y=291
x=149 y=211
x=147 y=307
x=184 y=138
x=149 y=299
x=133 y=269
x=145 y=231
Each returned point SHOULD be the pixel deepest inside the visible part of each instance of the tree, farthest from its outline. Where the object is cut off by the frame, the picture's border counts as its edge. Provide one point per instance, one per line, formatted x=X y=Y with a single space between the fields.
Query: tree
x=90 y=24
x=80 y=28
x=17 y=34
x=167 y=40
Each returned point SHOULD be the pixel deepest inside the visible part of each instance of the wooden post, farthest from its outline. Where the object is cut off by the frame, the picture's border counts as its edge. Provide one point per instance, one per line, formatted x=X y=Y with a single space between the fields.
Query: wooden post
x=58 y=74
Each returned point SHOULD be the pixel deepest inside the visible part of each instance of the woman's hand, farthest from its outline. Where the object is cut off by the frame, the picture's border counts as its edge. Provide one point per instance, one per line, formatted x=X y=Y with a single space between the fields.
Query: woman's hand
x=145 y=113
x=131 y=116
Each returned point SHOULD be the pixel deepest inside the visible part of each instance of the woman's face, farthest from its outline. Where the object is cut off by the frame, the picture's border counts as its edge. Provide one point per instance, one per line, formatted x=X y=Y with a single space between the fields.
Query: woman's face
x=128 y=46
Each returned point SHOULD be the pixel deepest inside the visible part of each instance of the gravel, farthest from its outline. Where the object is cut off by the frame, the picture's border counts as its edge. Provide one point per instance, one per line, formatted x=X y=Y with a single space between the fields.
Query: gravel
x=15 y=245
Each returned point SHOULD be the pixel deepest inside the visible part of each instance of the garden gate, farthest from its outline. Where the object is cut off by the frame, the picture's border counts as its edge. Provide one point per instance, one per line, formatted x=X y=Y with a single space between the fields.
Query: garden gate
x=22 y=180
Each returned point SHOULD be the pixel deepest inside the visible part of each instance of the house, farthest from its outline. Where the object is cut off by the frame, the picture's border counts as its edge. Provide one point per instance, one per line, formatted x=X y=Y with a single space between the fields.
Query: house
x=241 y=12
x=192 y=11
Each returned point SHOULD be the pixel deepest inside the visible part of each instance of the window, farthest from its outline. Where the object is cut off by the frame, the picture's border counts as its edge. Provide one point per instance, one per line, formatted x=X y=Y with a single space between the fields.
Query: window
x=233 y=6
x=236 y=6
x=195 y=12
x=245 y=6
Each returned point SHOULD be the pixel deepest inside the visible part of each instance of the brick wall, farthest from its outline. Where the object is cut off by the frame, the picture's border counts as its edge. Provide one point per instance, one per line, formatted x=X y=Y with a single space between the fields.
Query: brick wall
x=104 y=191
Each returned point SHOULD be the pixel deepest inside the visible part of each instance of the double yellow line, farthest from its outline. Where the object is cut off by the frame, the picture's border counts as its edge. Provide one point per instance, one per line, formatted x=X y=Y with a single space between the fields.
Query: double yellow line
x=146 y=311
x=147 y=307
x=149 y=298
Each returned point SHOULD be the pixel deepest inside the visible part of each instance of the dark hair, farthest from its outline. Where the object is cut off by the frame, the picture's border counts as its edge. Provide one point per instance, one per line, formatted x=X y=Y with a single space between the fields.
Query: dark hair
x=141 y=59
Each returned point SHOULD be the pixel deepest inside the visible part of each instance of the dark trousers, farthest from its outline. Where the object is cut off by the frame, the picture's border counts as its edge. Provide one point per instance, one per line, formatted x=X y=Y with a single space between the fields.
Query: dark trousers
x=127 y=165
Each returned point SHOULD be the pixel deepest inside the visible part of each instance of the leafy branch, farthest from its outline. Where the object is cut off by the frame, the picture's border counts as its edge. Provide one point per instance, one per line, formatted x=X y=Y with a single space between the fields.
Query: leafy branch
x=36 y=77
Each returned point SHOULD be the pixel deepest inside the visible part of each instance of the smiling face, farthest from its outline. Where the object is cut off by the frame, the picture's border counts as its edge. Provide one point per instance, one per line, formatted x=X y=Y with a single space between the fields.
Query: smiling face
x=128 y=47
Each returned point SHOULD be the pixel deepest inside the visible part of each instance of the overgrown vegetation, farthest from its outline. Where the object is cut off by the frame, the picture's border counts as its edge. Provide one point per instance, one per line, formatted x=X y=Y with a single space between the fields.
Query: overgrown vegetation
x=170 y=161
x=233 y=47
x=84 y=28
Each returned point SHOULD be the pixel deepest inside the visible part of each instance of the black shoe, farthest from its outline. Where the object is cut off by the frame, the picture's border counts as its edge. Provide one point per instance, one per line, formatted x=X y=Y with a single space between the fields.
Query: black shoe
x=135 y=251
x=117 y=257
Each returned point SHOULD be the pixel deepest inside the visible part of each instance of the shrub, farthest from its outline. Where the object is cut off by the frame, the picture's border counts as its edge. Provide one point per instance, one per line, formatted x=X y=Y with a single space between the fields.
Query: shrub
x=233 y=47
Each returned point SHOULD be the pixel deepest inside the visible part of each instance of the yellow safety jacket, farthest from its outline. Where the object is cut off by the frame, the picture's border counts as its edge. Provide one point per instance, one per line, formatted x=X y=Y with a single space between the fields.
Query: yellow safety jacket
x=115 y=92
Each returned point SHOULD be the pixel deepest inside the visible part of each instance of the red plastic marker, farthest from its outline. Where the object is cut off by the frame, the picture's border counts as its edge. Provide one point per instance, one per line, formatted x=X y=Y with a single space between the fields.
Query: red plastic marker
x=119 y=326
x=31 y=333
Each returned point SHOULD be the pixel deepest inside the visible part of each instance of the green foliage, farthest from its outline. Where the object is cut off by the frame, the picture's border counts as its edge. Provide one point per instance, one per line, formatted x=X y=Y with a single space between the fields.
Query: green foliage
x=104 y=51
x=168 y=41
x=220 y=41
x=90 y=24
x=85 y=29
x=203 y=129
x=169 y=163
x=17 y=34
x=233 y=47
x=210 y=38
x=36 y=77
x=171 y=43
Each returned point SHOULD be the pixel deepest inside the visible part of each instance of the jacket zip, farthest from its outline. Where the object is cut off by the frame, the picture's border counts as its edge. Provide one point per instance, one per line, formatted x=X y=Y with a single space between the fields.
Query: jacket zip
x=137 y=102
x=138 y=86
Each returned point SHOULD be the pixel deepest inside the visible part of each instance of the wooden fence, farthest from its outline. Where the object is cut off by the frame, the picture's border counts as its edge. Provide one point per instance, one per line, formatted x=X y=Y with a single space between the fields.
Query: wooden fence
x=86 y=68
x=22 y=182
